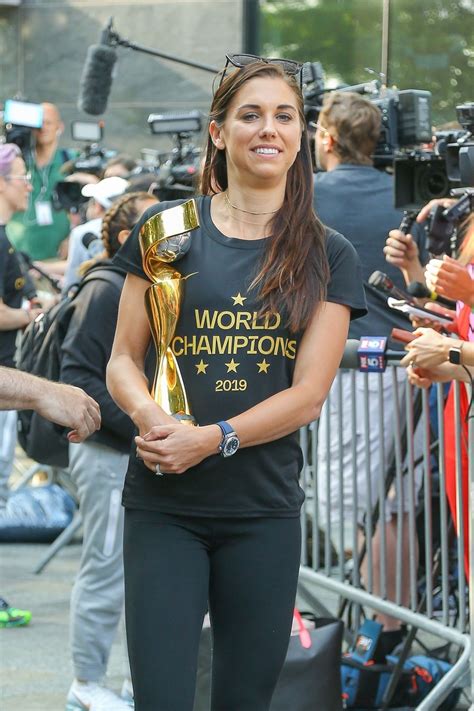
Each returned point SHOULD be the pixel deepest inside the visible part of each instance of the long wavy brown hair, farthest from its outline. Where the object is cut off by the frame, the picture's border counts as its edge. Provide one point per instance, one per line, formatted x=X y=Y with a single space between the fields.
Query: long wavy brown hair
x=294 y=272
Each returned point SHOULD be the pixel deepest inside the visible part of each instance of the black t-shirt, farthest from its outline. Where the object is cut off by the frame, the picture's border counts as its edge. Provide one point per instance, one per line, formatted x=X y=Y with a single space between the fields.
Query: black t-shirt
x=12 y=283
x=230 y=360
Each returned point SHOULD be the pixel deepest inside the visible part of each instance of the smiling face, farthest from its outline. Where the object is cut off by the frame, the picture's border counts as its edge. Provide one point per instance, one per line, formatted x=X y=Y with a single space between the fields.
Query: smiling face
x=261 y=133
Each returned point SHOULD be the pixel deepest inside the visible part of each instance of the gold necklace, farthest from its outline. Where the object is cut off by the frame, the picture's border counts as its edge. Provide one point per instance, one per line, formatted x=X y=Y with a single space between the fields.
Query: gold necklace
x=247 y=212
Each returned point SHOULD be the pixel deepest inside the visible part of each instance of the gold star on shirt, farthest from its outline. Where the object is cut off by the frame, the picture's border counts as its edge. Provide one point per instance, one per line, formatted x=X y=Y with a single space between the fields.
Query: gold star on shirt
x=263 y=366
x=239 y=299
x=232 y=366
x=201 y=367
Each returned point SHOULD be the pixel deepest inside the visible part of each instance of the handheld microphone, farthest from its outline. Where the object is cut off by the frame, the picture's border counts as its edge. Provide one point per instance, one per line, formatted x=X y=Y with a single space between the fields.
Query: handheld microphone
x=93 y=244
x=420 y=291
x=369 y=355
x=383 y=283
x=96 y=79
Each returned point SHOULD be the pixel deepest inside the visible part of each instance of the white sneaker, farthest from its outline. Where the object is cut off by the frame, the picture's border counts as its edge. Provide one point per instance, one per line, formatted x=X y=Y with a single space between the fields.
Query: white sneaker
x=127 y=692
x=93 y=697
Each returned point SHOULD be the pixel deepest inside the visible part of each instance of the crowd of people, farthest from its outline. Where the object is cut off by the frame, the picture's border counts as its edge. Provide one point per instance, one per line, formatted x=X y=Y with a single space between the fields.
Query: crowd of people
x=209 y=517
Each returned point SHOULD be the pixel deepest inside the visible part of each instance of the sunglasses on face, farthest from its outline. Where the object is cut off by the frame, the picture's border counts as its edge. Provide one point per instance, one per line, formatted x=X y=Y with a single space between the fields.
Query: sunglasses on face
x=289 y=66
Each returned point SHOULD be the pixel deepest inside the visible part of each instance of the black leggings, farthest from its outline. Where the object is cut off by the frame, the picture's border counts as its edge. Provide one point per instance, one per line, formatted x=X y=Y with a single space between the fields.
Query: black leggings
x=246 y=570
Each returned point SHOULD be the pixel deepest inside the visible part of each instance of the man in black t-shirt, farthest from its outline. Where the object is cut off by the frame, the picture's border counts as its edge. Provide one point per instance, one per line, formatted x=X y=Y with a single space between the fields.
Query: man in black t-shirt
x=356 y=199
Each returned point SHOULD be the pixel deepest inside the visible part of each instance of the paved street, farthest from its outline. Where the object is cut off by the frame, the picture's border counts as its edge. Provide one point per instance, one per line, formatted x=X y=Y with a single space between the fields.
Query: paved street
x=36 y=669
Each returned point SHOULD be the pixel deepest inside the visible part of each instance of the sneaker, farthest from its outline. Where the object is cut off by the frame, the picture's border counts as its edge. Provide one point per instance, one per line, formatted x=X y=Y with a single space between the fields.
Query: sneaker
x=12 y=616
x=127 y=692
x=90 y=696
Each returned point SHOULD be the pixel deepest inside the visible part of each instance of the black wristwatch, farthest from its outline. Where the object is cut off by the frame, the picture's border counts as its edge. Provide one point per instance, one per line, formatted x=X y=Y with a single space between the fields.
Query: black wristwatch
x=229 y=442
x=454 y=354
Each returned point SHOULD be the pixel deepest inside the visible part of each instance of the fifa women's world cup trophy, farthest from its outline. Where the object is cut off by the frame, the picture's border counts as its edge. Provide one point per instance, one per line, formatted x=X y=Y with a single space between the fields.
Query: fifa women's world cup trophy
x=164 y=239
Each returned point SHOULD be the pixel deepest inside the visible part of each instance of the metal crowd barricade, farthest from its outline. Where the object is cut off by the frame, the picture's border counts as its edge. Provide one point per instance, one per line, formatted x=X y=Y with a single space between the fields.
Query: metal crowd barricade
x=335 y=556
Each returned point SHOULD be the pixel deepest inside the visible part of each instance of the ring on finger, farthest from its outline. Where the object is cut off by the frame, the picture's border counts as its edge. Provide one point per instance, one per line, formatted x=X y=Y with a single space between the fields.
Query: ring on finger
x=158 y=471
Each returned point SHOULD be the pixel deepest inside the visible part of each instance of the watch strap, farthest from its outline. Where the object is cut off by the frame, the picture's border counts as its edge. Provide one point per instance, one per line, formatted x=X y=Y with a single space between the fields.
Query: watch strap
x=226 y=429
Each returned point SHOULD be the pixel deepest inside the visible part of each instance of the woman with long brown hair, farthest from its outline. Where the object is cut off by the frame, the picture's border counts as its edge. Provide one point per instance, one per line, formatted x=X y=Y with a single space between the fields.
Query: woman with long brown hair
x=263 y=323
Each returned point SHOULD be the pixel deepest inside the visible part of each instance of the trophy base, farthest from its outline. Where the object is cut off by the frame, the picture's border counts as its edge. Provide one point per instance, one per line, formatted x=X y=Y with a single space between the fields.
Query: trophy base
x=185 y=419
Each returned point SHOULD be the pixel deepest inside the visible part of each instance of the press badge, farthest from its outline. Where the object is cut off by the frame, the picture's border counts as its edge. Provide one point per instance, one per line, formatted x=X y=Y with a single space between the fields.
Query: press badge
x=44 y=212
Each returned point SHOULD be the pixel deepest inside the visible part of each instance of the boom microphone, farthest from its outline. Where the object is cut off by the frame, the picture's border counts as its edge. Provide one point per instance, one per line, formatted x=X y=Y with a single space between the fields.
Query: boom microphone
x=96 y=79
x=419 y=290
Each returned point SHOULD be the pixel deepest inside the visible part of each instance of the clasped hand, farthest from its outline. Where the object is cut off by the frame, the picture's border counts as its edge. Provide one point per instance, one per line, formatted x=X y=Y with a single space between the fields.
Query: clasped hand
x=177 y=447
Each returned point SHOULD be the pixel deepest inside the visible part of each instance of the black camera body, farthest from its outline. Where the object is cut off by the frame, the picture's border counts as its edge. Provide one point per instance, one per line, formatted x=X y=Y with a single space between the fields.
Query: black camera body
x=93 y=156
x=20 y=118
x=421 y=173
x=176 y=171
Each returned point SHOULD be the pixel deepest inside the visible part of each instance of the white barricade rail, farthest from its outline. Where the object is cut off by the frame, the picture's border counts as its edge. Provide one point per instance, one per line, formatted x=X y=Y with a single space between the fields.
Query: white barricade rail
x=335 y=556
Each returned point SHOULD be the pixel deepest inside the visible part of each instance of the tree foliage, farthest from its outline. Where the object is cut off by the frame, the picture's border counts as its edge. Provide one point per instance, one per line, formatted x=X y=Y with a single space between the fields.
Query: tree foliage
x=430 y=43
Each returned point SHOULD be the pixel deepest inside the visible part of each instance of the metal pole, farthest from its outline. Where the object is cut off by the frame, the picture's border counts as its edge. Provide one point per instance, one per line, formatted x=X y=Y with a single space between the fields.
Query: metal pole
x=385 y=39
x=251 y=26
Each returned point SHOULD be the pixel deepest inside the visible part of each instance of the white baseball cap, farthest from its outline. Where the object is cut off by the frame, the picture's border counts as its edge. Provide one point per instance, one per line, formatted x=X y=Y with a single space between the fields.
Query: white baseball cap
x=106 y=190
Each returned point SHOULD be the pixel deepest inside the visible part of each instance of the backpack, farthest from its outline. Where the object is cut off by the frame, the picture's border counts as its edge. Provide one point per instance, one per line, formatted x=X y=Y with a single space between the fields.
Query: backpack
x=40 y=354
x=365 y=677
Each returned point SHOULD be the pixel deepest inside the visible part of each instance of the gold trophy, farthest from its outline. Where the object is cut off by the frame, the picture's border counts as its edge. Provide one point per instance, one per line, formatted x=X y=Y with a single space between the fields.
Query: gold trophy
x=164 y=239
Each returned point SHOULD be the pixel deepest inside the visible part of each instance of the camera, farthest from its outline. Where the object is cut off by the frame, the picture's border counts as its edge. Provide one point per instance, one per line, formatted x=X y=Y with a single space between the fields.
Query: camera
x=421 y=173
x=443 y=233
x=421 y=176
x=19 y=119
x=93 y=157
x=176 y=171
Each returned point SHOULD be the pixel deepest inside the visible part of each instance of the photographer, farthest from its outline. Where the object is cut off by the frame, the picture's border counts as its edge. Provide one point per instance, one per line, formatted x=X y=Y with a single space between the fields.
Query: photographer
x=39 y=228
x=356 y=199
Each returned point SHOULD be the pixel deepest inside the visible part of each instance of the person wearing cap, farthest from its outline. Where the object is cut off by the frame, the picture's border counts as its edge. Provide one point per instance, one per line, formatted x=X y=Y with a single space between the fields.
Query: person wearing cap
x=102 y=195
x=40 y=228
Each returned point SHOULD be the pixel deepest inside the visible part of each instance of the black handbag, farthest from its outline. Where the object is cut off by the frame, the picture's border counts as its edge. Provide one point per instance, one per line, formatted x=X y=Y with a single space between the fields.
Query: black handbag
x=311 y=676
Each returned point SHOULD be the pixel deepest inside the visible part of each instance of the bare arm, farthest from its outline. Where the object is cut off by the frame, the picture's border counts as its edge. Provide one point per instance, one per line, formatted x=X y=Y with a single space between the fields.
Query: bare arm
x=63 y=404
x=13 y=319
x=176 y=448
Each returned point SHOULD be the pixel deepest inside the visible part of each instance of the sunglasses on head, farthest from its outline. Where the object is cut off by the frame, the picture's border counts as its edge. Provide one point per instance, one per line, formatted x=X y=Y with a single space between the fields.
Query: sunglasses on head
x=289 y=66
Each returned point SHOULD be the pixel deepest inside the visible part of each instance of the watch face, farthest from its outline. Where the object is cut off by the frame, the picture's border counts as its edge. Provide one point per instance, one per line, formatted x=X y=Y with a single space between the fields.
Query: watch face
x=455 y=356
x=231 y=445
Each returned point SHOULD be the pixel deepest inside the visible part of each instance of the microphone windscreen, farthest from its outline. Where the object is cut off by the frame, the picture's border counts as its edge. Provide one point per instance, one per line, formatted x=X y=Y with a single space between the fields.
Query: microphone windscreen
x=96 y=79
x=350 y=357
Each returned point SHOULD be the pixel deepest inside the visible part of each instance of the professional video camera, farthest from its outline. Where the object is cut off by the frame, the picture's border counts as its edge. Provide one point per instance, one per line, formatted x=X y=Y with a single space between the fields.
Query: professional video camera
x=422 y=175
x=92 y=159
x=176 y=171
x=19 y=120
x=93 y=156
x=406 y=115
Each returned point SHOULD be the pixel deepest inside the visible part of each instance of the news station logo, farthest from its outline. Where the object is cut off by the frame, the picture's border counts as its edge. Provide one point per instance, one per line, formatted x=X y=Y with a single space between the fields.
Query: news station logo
x=371 y=354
